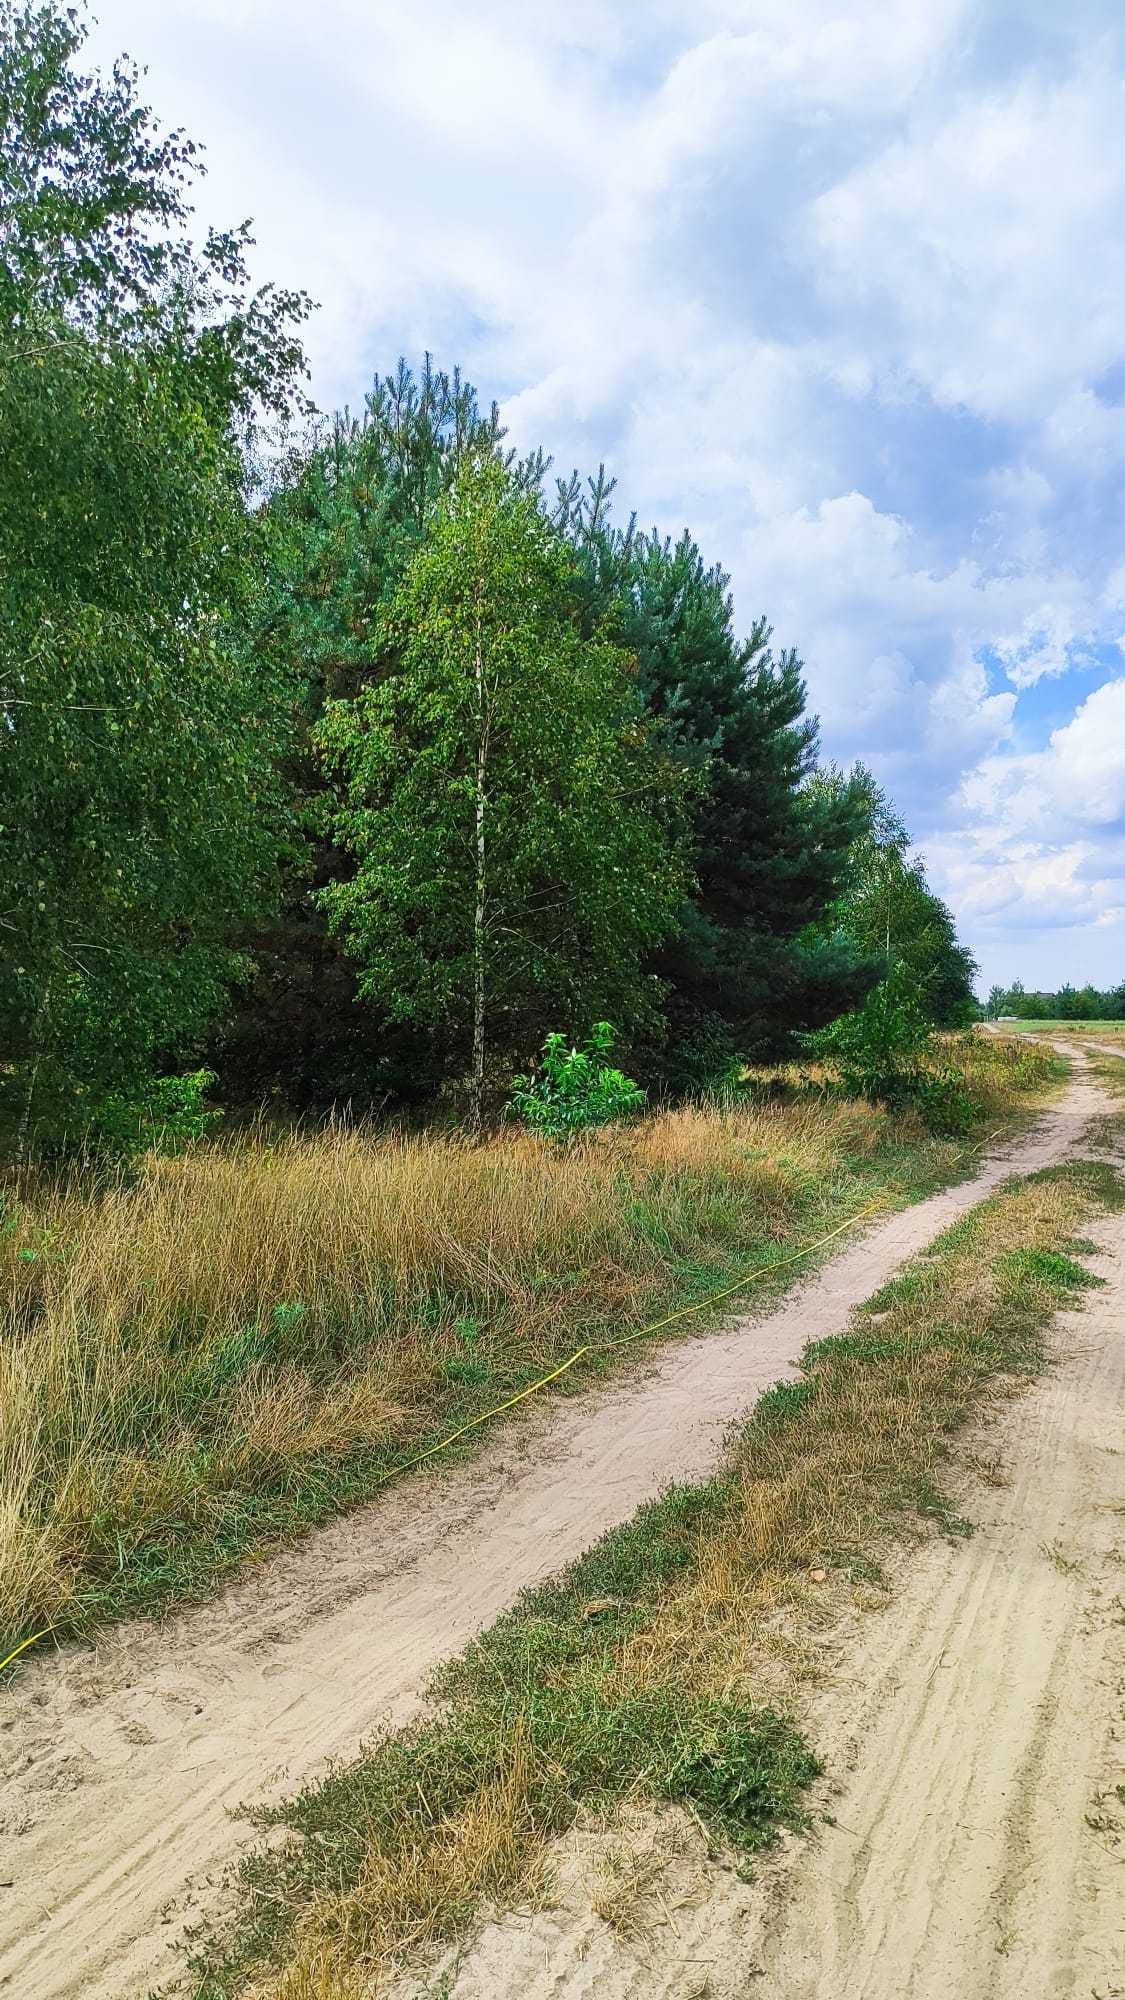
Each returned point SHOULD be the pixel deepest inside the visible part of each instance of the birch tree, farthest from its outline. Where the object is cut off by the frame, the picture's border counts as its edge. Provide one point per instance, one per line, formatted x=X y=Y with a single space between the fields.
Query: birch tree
x=510 y=815
x=140 y=814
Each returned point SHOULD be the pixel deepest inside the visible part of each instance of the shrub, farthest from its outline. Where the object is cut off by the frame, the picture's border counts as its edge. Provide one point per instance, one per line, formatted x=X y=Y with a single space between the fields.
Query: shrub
x=943 y=1098
x=875 y=1049
x=704 y=1061
x=884 y=1051
x=573 y=1090
x=161 y=1115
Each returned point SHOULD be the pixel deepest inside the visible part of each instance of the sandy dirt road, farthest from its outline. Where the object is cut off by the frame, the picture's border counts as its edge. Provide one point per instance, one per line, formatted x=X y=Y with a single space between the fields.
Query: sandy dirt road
x=974 y=1737
x=119 y=1764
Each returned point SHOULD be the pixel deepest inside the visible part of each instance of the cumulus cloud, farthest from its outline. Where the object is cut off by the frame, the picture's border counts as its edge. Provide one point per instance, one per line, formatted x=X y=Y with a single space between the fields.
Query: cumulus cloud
x=983 y=245
x=1077 y=781
x=838 y=284
x=1037 y=868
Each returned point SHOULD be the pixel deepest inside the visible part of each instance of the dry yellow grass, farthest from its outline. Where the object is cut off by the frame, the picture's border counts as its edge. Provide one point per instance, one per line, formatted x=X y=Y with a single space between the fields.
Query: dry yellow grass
x=241 y=1339
x=550 y=1709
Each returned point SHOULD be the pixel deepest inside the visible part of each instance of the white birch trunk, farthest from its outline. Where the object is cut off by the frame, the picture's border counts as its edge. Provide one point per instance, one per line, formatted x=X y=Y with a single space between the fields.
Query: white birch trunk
x=477 y=1100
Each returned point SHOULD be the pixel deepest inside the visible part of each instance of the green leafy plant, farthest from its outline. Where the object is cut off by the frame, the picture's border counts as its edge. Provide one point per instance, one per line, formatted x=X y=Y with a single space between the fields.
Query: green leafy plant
x=575 y=1089
x=943 y=1098
x=162 y=1115
x=884 y=1051
x=875 y=1049
x=467 y=1369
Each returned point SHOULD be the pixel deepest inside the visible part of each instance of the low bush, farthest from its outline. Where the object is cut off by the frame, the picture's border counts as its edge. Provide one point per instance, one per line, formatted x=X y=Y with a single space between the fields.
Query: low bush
x=885 y=1052
x=575 y=1090
x=162 y=1115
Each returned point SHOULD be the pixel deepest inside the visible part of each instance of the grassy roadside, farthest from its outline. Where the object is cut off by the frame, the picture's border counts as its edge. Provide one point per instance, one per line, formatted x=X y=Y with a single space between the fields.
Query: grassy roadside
x=634 y=1672
x=1109 y=1068
x=254 y=1336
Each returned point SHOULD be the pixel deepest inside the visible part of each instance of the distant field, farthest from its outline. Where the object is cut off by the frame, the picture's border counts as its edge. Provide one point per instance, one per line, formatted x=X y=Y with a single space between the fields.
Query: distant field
x=1063 y=1027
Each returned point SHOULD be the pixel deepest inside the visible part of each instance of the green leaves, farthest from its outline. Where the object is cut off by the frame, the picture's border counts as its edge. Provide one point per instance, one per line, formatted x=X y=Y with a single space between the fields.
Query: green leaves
x=767 y=850
x=574 y=1090
x=162 y=1114
x=885 y=1051
x=95 y=228
x=140 y=809
x=890 y=913
x=139 y=803
x=485 y=690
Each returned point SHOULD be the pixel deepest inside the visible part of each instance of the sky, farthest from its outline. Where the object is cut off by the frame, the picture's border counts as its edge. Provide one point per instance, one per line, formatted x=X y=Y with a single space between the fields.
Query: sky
x=839 y=284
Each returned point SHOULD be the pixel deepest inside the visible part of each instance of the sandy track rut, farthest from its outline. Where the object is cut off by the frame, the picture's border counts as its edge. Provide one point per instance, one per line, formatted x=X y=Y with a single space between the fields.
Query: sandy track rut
x=120 y=1764
x=974 y=1737
x=989 y=1734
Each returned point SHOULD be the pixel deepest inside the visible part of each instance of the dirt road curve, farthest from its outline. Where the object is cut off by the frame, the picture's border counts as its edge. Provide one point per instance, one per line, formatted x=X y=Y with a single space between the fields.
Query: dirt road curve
x=118 y=1765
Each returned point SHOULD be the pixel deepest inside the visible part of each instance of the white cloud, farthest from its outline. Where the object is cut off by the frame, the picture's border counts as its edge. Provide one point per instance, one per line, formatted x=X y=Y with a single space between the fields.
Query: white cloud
x=1046 y=645
x=1078 y=780
x=1088 y=756
x=838 y=284
x=1037 y=870
x=984 y=245
x=1028 y=886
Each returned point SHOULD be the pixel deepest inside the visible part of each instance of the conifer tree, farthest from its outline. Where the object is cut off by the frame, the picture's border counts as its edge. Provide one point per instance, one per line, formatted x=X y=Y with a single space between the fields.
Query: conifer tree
x=748 y=967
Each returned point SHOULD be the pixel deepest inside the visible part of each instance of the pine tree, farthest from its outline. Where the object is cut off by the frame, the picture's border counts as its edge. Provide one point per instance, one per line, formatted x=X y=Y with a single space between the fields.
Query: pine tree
x=748 y=968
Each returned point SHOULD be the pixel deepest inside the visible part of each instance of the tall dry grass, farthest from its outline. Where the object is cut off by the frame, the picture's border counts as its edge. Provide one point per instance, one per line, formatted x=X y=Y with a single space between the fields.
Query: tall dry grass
x=241 y=1339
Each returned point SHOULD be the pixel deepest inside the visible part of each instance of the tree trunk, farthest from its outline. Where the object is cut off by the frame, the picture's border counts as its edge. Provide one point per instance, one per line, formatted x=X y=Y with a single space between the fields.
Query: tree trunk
x=476 y=1106
x=23 y=1141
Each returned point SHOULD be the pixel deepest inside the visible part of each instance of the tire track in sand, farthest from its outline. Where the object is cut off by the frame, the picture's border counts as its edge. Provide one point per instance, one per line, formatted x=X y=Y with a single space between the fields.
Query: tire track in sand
x=120 y=1763
x=991 y=1731
x=974 y=1738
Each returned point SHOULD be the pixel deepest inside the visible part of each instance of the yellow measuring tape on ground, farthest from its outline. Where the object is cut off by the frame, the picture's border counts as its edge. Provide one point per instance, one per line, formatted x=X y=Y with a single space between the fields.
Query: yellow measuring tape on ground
x=642 y=1333
x=740 y=1284
x=23 y=1646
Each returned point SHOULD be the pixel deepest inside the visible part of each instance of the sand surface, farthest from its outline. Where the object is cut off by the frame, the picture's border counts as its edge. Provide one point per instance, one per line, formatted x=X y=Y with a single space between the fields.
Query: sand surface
x=986 y=1856
x=974 y=1736
x=120 y=1763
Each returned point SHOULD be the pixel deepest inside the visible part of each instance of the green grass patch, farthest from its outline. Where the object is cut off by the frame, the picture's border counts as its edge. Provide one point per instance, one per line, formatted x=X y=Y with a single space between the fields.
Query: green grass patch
x=1052 y=1268
x=1062 y=1027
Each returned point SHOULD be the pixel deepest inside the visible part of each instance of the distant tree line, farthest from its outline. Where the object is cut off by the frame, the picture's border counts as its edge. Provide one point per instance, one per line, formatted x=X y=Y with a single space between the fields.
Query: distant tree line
x=1070 y=1003
x=352 y=755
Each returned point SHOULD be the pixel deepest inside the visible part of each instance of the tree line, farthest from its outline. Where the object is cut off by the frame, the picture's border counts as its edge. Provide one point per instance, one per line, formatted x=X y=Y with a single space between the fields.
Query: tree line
x=1069 y=1003
x=354 y=754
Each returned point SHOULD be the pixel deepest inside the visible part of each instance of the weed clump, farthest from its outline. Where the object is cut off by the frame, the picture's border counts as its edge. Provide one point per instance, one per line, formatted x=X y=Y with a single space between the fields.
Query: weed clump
x=887 y=1052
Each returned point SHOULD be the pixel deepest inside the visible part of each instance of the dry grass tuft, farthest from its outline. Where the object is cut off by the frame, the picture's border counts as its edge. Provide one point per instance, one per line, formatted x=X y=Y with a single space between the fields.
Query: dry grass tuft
x=824 y=1464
